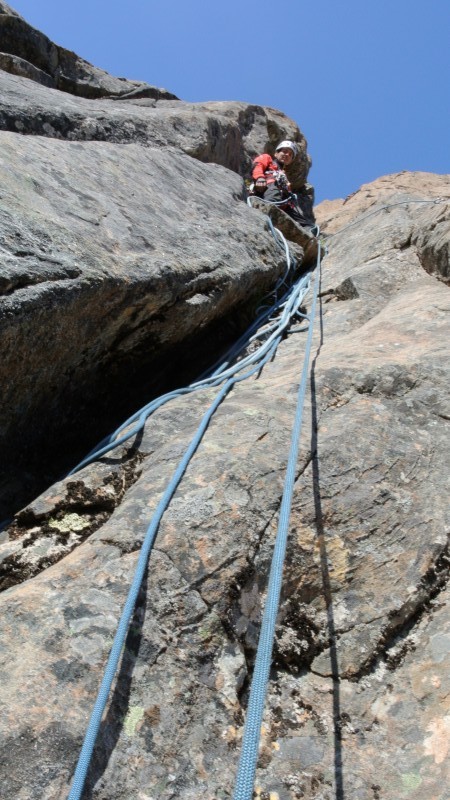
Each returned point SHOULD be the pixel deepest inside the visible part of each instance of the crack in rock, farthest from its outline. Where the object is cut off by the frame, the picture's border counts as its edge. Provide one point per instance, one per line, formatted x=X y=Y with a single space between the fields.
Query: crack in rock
x=37 y=539
x=397 y=637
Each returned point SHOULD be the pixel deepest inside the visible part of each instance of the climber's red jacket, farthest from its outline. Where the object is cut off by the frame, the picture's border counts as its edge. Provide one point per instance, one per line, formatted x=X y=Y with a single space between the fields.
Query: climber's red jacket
x=264 y=166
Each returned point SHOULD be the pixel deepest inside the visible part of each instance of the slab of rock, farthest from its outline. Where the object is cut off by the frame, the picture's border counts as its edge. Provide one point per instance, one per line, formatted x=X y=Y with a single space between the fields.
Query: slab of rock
x=111 y=257
x=34 y=55
x=18 y=66
x=358 y=700
x=424 y=194
x=226 y=133
x=230 y=134
x=56 y=193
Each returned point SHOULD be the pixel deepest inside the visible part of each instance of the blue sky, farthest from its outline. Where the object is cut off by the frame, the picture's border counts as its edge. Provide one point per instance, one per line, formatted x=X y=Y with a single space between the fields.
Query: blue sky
x=367 y=82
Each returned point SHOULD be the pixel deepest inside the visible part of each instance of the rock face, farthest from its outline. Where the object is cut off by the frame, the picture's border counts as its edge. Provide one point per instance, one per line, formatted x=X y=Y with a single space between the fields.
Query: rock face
x=28 y=52
x=229 y=134
x=358 y=705
x=116 y=247
x=358 y=702
x=112 y=257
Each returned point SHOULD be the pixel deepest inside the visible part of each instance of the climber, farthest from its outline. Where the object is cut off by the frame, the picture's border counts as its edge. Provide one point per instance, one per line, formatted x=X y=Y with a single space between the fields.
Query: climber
x=271 y=183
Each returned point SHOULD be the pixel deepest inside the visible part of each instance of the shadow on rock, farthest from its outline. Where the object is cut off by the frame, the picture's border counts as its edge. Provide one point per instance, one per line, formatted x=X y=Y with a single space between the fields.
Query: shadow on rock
x=114 y=721
x=338 y=767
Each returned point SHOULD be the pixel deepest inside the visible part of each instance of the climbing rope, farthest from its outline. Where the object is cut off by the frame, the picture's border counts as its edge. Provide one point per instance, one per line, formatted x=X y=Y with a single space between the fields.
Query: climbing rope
x=236 y=367
x=250 y=743
x=436 y=201
x=288 y=306
x=291 y=198
x=122 y=629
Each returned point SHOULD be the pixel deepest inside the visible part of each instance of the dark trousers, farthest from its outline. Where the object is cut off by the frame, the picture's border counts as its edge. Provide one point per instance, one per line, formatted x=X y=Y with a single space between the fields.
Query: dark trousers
x=294 y=207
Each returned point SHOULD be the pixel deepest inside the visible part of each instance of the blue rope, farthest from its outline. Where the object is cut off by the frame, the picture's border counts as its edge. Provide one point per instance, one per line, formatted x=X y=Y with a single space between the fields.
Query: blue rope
x=290 y=307
x=250 y=744
x=357 y=221
x=119 y=639
x=150 y=536
x=218 y=373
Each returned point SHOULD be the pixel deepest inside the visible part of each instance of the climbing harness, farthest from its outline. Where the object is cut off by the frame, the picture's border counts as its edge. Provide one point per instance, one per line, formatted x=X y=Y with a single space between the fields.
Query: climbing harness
x=238 y=365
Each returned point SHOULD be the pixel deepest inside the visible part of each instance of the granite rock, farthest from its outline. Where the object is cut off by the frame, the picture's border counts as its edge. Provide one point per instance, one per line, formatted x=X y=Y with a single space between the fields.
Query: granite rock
x=358 y=700
x=99 y=243
x=110 y=253
x=226 y=133
x=31 y=53
x=115 y=263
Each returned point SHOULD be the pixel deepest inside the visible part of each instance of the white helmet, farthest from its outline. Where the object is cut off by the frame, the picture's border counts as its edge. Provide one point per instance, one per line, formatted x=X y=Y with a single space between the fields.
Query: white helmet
x=291 y=145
